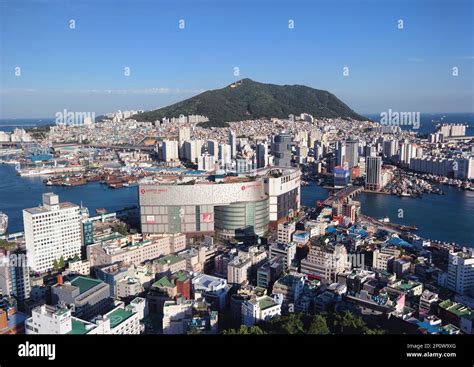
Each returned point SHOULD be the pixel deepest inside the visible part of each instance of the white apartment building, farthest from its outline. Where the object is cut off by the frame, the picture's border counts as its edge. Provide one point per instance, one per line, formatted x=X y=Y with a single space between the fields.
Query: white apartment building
x=260 y=308
x=461 y=272
x=206 y=162
x=122 y=320
x=285 y=231
x=52 y=230
x=170 y=150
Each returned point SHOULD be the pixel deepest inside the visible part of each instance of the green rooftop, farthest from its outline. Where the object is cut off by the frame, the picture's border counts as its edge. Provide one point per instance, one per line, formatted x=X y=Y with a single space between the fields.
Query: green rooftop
x=266 y=302
x=457 y=309
x=78 y=327
x=163 y=282
x=181 y=276
x=118 y=316
x=85 y=283
x=169 y=259
x=408 y=286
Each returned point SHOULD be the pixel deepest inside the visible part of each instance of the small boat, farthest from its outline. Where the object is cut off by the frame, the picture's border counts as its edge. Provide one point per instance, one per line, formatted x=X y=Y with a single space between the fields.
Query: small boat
x=384 y=220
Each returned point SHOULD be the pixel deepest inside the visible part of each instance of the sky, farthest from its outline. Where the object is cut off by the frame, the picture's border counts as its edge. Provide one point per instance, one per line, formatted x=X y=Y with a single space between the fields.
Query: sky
x=48 y=63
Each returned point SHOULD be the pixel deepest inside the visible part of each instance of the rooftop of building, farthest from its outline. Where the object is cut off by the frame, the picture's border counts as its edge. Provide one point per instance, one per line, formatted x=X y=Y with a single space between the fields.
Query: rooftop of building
x=169 y=259
x=264 y=302
x=42 y=209
x=118 y=316
x=457 y=308
x=163 y=282
x=78 y=327
x=84 y=283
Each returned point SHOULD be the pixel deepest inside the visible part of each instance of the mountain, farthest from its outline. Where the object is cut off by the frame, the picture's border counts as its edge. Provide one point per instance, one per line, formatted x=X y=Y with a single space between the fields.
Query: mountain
x=248 y=99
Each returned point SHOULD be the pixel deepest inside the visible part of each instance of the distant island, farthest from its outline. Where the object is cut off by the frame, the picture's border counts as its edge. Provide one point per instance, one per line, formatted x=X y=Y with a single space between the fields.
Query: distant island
x=248 y=99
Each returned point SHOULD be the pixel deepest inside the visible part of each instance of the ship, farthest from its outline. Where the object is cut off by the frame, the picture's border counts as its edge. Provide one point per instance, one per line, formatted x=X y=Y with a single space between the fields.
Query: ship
x=3 y=223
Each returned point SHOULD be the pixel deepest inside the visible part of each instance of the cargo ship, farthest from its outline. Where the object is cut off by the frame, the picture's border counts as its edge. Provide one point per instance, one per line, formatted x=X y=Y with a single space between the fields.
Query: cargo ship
x=3 y=223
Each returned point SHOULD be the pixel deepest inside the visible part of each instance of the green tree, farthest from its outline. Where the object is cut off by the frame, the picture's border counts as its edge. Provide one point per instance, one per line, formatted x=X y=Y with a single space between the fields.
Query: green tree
x=56 y=266
x=61 y=262
x=245 y=330
x=291 y=324
x=6 y=245
x=349 y=323
x=120 y=228
x=318 y=326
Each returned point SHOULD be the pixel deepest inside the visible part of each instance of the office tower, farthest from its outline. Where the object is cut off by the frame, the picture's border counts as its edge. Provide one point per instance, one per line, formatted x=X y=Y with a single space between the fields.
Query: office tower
x=233 y=143
x=262 y=155
x=352 y=153
x=373 y=180
x=170 y=150
x=282 y=150
x=52 y=231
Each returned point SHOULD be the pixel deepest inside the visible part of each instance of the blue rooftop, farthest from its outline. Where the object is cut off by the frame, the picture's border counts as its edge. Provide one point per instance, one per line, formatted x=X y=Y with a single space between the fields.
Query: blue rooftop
x=398 y=242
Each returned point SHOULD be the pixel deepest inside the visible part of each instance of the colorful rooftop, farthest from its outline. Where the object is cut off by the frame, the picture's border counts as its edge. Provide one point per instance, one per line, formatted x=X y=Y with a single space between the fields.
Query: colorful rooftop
x=84 y=283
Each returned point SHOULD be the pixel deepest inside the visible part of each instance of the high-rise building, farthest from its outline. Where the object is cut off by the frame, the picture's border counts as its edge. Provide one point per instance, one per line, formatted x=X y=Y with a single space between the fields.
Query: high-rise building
x=52 y=231
x=373 y=180
x=14 y=275
x=262 y=155
x=192 y=150
x=206 y=162
x=233 y=143
x=340 y=153
x=212 y=148
x=461 y=272
x=170 y=150
x=352 y=153
x=282 y=149
x=225 y=155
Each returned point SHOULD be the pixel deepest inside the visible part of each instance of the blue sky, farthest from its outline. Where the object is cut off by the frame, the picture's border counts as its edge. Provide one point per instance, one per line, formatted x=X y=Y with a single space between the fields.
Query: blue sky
x=82 y=69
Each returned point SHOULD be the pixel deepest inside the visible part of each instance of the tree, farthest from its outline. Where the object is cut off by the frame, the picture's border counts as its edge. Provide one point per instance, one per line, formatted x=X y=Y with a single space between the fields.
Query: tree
x=6 y=245
x=61 y=262
x=291 y=324
x=245 y=330
x=318 y=326
x=56 y=266
x=349 y=323
x=120 y=228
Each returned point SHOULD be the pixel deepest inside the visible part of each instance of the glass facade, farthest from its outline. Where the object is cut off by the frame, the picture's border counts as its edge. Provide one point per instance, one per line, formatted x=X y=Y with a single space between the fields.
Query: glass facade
x=242 y=219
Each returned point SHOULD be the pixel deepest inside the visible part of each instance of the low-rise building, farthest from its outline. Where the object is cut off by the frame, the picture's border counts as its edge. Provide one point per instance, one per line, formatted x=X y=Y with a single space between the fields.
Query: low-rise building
x=88 y=297
x=260 y=309
x=182 y=316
